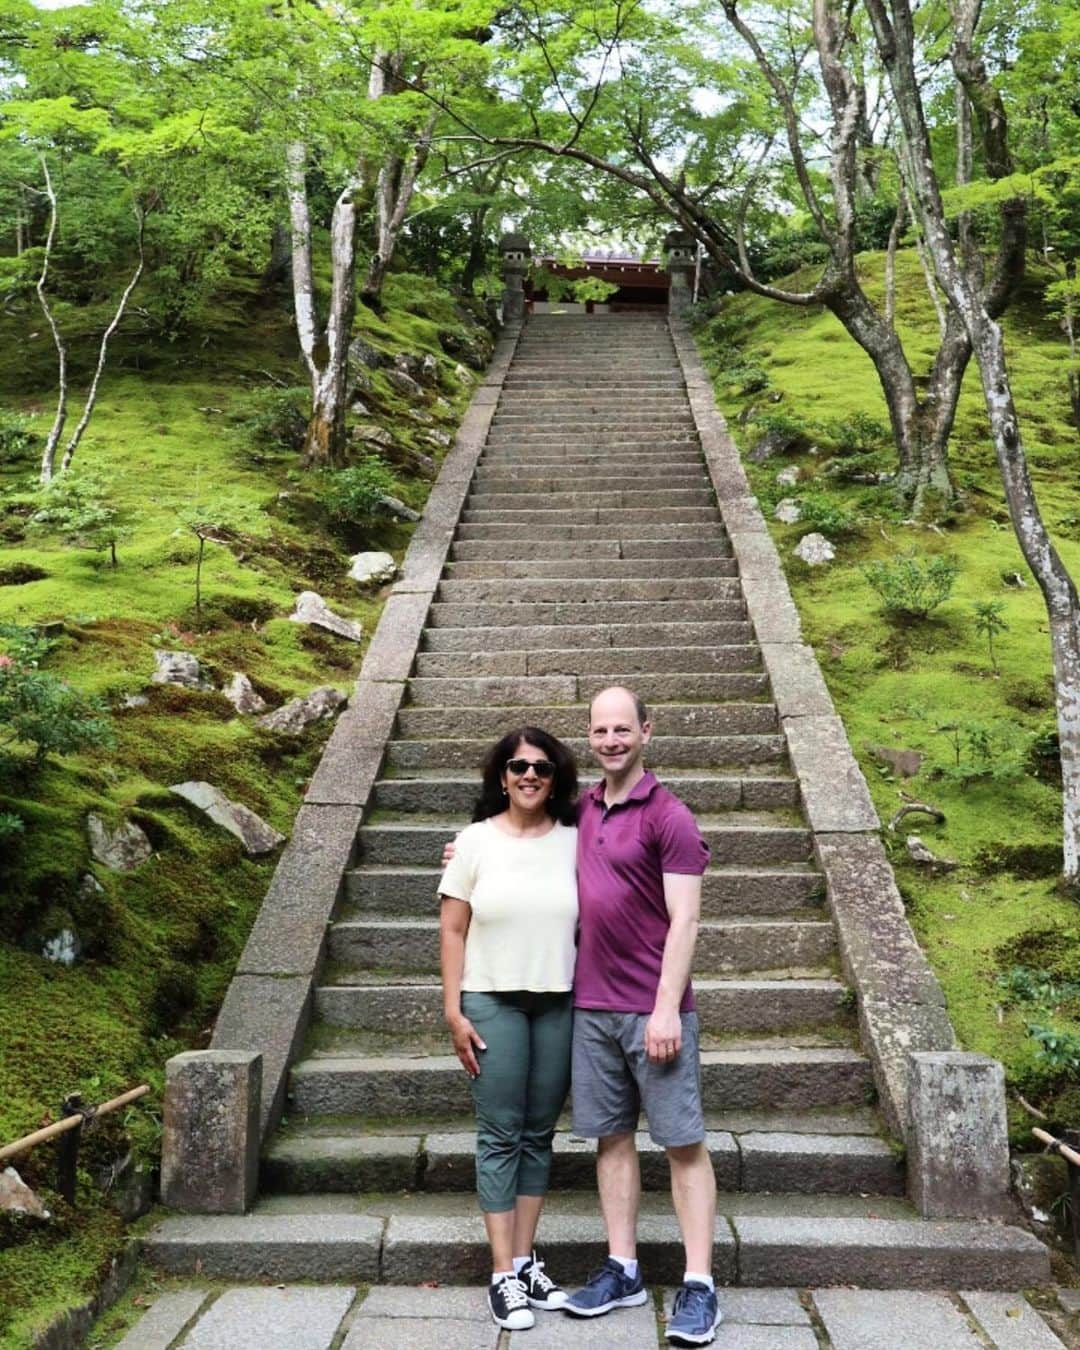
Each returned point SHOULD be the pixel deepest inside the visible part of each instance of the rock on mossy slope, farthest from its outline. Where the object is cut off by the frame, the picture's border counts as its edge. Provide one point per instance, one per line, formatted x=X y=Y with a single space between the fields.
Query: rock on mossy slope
x=201 y=424
x=996 y=922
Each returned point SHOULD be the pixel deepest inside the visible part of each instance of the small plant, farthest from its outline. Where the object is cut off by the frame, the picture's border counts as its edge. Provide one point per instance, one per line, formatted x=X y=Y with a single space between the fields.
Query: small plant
x=856 y=434
x=218 y=522
x=11 y=827
x=981 y=750
x=820 y=512
x=911 y=586
x=1021 y=984
x=38 y=709
x=989 y=623
x=358 y=494
x=16 y=438
x=1058 y=1050
x=74 y=506
x=271 y=418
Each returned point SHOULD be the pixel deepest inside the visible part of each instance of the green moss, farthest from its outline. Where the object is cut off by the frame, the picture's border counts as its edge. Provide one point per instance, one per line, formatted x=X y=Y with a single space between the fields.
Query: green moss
x=160 y=944
x=897 y=683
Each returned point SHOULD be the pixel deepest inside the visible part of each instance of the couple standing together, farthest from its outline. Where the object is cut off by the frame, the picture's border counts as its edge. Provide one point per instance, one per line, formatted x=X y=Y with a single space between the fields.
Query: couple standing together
x=567 y=952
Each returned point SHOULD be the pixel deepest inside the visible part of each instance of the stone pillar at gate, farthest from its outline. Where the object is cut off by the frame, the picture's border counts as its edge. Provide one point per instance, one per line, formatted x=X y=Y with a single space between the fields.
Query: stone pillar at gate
x=516 y=253
x=680 y=261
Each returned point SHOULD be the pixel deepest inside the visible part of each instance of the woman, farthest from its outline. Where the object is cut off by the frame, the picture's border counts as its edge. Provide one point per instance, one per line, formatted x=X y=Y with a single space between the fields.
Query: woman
x=509 y=915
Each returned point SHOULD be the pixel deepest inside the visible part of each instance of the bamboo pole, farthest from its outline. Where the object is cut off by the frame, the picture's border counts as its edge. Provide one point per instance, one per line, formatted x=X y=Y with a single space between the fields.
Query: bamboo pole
x=70 y=1123
x=1069 y=1154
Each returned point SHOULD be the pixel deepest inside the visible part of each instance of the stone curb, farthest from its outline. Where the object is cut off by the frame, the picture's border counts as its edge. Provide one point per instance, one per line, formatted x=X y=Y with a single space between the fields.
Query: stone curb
x=268 y=1004
x=901 y=1005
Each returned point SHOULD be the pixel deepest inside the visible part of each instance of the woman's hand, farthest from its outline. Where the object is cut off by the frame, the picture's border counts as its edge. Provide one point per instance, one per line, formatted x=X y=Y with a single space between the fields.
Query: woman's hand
x=467 y=1041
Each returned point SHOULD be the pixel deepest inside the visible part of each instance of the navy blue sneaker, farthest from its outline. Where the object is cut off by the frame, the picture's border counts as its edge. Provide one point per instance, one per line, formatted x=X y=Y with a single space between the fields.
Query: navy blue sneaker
x=607 y=1288
x=695 y=1316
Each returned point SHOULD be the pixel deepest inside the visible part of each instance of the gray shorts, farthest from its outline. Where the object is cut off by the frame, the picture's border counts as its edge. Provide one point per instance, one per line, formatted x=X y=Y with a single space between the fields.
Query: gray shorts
x=614 y=1080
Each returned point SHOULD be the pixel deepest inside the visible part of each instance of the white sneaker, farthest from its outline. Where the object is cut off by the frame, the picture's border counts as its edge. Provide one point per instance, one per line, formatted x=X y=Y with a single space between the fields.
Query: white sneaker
x=540 y=1289
x=509 y=1304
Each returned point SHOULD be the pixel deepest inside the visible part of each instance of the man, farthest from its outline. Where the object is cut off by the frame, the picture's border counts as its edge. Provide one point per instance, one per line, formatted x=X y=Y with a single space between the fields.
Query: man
x=640 y=862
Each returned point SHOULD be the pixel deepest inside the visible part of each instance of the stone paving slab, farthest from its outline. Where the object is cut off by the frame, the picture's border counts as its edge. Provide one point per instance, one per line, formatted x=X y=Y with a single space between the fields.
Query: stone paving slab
x=405 y=1333
x=860 y=1319
x=301 y=1317
x=160 y=1325
x=623 y=1329
x=1011 y=1322
x=740 y=1336
x=454 y=1303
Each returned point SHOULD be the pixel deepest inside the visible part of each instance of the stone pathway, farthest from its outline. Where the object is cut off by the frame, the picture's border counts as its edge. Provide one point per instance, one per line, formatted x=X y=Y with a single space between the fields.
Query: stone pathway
x=336 y=1317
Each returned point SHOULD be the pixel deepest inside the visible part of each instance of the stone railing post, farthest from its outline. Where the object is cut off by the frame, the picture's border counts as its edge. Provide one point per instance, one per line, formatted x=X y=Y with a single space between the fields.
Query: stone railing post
x=516 y=254
x=680 y=262
x=958 y=1140
x=210 y=1147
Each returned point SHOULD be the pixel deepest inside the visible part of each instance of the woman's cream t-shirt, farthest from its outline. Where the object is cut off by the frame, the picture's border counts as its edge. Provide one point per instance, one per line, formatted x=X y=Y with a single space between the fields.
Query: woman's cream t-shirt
x=523 y=895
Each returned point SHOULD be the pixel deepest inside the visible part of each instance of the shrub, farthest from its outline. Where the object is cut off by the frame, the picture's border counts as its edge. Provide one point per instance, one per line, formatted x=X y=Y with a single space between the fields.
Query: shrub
x=11 y=826
x=16 y=438
x=1058 y=1050
x=820 y=512
x=856 y=434
x=982 y=750
x=39 y=709
x=357 y=494
x=911 y=586
x=74 y=506
x=273 y=418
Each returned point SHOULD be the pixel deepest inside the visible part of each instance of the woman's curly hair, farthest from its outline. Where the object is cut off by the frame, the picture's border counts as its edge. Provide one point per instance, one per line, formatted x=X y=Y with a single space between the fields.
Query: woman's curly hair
x=561 y=805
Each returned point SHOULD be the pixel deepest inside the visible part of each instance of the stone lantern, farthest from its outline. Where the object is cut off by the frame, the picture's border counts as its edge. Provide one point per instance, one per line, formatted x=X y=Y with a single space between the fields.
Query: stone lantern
x=680 y=261
x=516 y=255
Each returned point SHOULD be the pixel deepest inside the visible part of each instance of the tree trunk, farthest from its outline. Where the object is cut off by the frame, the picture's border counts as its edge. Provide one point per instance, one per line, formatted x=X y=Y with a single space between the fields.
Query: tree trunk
x=48 y=456
x=324 y=443
x=393 y=193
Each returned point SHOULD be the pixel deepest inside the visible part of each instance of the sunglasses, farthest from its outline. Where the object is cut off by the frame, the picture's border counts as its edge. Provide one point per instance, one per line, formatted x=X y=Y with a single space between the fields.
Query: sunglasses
x=543 y=768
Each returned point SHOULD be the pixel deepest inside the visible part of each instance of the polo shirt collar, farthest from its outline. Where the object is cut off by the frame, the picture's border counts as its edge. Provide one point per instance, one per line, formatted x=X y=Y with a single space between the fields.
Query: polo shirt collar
x=641 y=790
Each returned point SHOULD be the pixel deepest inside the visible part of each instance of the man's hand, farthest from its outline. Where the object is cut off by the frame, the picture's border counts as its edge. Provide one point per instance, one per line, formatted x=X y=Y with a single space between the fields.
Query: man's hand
x=447 y=854
x=467 y=1041
x=663 y=1036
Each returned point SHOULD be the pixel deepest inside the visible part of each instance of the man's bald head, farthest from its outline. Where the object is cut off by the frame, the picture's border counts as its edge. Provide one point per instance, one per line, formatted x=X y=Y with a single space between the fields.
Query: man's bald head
x=613 y=698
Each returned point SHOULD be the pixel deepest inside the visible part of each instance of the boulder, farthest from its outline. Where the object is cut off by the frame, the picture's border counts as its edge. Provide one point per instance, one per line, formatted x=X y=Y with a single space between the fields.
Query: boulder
x=241 y=694
x=178 y=668
x=253 y=832
x=120 y=850
x=359 y=408
x=312 y=608
x=778 y=441
x=16 y=1197
x=63 y=948
x=131 y=701
x=89 y=888
x=298 y=713
x=373 y=434
x=404 y=384
x=919 y=853
x=906 y=763
x=788 y=512
x=372 y=569
x=788 y=477
x=362 y=353
x=398 y=508
x=429 y=370
x=422 y=416
x=442 y=439
x=408 y=364
x=814 y=549
x=463 y=374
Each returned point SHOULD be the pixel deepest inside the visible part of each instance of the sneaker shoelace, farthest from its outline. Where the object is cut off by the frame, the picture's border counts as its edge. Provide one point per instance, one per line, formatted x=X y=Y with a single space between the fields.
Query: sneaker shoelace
x=540 y=1278
x=691 y=1298
x=513 y=1292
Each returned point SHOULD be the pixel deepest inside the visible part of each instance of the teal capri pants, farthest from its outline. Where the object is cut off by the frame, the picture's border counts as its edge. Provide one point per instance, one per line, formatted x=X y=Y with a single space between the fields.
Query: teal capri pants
x=523 y=1082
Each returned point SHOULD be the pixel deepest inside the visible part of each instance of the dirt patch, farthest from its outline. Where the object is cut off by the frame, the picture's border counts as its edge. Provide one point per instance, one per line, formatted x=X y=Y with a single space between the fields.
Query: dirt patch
x=1029 y=862
x=20 y=573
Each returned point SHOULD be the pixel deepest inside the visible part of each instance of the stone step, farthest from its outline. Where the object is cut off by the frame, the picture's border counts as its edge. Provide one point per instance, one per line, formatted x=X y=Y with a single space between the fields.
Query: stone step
x=597 y=661
x=760 y=1241
x=599 y=569
x=541 y=534
x=668 y=719
x=743 y=838
x=676 y=417
x=309 y=1161
x=666 y=752
x=725 y=1007
x=596 y=440
x=536 y=403
x=578 y=611
x=520 y=379
x=519 y=590
x=725 y=946
x=454 y=795
x=596 y=550
x=593 y=477
x=536 y=637
x=726 y=890
x=532 y=690
x=481 y=499
x=770 y=1076
x=629 y=457
x=593 y=515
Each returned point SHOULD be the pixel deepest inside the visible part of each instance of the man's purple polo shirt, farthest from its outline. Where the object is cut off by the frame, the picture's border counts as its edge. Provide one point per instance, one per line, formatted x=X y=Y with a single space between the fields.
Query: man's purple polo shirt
x=622 y=854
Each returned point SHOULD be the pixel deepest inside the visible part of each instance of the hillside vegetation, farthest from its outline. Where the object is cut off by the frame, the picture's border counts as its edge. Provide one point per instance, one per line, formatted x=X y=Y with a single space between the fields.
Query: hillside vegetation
x=206 y=429
x=1001 y=936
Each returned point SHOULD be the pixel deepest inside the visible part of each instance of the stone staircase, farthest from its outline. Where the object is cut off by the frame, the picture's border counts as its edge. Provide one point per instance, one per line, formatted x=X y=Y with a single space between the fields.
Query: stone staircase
x=590 y=552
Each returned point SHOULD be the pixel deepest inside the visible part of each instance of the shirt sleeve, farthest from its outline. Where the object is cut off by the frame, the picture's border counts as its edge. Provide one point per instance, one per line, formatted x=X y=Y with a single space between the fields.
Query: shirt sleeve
x=459 y=877
x=678 y=839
